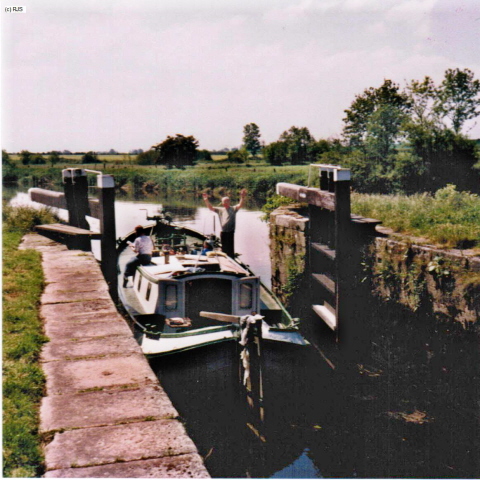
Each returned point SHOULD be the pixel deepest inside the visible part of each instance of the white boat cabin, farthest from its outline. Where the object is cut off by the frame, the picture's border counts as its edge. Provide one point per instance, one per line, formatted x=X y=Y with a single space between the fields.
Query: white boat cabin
x=183 y=285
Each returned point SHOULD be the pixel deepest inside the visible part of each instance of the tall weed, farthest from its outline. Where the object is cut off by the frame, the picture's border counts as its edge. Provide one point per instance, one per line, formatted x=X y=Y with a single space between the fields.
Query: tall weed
x=449 y=217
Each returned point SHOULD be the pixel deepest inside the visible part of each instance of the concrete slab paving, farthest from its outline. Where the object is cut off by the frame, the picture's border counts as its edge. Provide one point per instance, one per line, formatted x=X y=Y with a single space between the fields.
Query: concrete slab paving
x=92 y=327
x=71 y=265
x=35 y=241
x=65 y=412
x=85 y=347
x=96 y=374
x=68 y=296
x=122 y=443
x=86 y=328
x=73 y=277
x=67 y=310
x=116 y=419
x=59 y=314
x=87 y=284
x=69 y=261
x=180 y=466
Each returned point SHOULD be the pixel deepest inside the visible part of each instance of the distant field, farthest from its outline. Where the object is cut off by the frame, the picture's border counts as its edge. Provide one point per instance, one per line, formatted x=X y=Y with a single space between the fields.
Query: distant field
x=219 y=158
x=123 y=159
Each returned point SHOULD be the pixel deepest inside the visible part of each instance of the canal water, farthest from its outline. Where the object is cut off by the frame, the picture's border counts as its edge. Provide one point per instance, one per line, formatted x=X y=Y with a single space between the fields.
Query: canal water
x=405 y=405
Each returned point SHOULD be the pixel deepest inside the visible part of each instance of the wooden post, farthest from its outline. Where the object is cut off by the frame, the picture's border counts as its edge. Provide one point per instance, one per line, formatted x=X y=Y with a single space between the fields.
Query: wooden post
x=76 y=195
x=344 y=244
x=106 y=186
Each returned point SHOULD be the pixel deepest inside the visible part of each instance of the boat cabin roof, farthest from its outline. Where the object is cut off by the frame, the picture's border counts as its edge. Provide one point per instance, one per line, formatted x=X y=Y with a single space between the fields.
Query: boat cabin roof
x=179 y=265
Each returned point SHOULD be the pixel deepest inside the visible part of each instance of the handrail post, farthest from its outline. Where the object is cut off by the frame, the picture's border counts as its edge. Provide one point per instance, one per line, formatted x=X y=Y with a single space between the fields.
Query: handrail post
x=106 y=186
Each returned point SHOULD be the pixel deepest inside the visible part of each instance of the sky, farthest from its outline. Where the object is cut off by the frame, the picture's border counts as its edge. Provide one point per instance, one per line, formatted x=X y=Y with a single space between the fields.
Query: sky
x=123 y=75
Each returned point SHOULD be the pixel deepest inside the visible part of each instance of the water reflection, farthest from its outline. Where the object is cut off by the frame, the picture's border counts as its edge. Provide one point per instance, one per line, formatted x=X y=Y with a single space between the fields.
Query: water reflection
x=251 y=236
x=204 y=387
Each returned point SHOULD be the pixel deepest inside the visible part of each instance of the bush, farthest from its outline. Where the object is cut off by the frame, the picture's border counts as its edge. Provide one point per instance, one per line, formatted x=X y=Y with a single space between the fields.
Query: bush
x=90 y=157
x=273 y=202
x=24 y=219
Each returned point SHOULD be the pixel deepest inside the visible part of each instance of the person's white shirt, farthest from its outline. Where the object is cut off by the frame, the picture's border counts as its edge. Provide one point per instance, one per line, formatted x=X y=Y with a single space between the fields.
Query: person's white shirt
x=143 y=245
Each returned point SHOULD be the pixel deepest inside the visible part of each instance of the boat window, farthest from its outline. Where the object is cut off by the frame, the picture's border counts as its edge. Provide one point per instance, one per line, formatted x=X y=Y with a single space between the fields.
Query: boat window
x=149 y=289
x=139 y=284
x=246 y=290
x=171 y=297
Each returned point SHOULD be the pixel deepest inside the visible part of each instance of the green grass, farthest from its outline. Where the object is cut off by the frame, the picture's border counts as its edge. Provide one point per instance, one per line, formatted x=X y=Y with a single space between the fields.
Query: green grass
x=448 y=218
x=23 y=380
x=259 y=179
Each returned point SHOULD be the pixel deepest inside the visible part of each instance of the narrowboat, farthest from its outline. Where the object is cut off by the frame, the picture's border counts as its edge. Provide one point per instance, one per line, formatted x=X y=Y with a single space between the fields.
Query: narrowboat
x=187 y=298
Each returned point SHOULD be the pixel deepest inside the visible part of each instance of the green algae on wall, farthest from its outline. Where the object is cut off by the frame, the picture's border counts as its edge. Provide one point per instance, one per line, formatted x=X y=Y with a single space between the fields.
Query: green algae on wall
x=415 y=276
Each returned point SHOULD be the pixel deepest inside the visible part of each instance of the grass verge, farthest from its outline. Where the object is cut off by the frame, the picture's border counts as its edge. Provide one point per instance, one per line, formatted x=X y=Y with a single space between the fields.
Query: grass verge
x=23 y=380
x=259 y=180
x=449 y=218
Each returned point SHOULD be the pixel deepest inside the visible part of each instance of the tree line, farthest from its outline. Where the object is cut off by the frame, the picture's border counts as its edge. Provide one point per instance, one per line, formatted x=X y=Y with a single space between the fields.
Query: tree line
x=399 y=140
x=394 y=140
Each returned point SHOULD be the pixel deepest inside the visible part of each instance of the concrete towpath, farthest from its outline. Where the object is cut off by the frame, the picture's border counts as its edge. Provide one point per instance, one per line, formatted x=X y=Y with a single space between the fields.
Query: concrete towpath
x=104 y=413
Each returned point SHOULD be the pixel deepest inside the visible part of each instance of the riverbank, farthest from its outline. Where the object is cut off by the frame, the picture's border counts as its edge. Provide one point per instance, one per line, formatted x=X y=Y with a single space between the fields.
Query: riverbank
x=259 y=180
x=104 y=413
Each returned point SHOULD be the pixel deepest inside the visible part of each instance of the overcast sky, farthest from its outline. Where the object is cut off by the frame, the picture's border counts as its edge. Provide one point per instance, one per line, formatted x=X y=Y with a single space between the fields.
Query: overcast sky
x=101 y=74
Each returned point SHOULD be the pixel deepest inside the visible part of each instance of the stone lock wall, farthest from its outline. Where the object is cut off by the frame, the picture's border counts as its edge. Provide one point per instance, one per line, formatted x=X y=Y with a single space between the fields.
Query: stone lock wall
x=447 y=281
x=288 y=249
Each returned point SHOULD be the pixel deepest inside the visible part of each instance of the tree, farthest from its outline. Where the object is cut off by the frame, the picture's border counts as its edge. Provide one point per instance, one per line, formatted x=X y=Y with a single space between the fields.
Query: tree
x=300 y=145
x=150 y=157
x=383 y=132
x=25 y=157
x=251 y=138
x=54 y=157
x=6 y=161
x=276 y=153
x=37 y=159
x=458 y=97
x=204 y=156
x=178 y=151
x=365 y=105
x=410 y=141
x=90 y=157
x=421 y=98
x=238 y=156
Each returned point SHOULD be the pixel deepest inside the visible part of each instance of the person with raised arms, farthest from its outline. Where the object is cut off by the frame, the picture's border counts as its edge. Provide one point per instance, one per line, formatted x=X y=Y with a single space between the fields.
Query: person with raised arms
x=227 y=215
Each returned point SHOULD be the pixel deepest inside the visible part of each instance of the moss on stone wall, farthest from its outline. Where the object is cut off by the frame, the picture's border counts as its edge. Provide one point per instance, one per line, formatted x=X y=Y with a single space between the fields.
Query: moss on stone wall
x=447 y=282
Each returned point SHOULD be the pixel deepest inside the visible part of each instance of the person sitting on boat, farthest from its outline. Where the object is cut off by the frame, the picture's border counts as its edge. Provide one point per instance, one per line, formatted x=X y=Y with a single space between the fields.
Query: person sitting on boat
x=207 y=247
x=143 y=247
x=227 y=215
